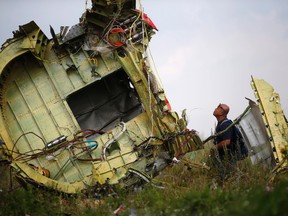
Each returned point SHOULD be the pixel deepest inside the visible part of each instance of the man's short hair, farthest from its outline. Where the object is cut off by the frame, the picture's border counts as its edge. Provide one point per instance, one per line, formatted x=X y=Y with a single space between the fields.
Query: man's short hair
x=224 y=107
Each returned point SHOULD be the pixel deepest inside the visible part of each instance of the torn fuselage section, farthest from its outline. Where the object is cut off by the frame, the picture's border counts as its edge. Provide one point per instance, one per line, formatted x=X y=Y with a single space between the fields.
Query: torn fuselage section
x=273 y=118
x=256 y=138
x=265 y=128
x=85 y=108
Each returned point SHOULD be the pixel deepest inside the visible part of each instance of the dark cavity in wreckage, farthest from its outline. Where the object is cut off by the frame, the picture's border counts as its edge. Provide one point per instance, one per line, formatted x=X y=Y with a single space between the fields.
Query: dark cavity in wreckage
x=84 y=109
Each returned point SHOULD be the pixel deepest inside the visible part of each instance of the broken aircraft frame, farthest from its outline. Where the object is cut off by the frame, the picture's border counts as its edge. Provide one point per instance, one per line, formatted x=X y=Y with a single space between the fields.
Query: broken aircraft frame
x=84 y=108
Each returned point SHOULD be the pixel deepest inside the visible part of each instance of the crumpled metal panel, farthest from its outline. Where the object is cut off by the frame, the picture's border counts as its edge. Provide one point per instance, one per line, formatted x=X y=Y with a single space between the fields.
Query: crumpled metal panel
x=255 y=135
x=49 y=144
x=273 y=117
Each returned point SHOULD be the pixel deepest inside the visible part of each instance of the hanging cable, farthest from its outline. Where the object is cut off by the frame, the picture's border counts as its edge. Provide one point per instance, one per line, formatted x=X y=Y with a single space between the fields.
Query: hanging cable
x=109 y=142
x=130 y=33
x=145 y=177
x=112 y=21
x=154 y=66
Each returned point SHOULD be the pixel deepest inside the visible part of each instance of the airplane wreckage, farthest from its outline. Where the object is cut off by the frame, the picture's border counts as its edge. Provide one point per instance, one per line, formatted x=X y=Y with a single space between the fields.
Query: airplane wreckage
x=84 y=108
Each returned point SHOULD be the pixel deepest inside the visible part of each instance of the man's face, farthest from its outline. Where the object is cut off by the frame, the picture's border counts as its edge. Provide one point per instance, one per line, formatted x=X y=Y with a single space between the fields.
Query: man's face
x=219 y=110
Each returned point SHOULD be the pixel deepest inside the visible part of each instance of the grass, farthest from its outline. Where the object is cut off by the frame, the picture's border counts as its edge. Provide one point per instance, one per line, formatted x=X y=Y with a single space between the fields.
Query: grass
x=188 y=191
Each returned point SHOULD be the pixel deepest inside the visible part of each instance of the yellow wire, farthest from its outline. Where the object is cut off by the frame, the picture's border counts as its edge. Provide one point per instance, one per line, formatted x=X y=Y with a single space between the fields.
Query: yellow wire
x=150 y=53
x=130 y=33
x=154 y=66
x=93 y=60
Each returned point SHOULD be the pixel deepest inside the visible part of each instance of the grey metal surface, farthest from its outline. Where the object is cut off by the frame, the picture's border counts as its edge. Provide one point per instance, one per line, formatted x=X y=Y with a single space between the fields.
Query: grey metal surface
x=255 y=135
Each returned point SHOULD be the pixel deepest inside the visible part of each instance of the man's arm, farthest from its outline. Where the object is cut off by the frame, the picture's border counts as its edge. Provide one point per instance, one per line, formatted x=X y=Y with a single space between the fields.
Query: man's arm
x=222 y=144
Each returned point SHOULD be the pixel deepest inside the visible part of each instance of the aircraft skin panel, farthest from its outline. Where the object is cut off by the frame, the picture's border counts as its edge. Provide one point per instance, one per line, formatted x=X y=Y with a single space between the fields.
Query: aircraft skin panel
x=123 y=156
x=84 y=108
x=255 y=135
x=273 y=116
x=31 y=102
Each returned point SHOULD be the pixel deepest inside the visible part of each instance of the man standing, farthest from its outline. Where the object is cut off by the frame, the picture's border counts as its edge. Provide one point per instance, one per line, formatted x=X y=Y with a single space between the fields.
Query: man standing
x=222 y=152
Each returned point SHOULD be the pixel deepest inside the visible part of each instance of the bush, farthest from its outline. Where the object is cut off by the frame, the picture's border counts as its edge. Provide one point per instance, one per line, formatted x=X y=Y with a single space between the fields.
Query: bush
x=192 y=191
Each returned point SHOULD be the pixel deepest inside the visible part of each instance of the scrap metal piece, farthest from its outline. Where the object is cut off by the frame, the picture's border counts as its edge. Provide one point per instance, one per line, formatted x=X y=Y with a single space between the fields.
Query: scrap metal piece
x=85 y=111
x=255 y=136
x=264 y=128
x=73 y=32
x=273 y=117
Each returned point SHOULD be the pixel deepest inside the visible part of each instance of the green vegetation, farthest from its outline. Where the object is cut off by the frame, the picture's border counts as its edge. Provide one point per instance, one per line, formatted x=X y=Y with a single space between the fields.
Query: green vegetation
x=188 y=191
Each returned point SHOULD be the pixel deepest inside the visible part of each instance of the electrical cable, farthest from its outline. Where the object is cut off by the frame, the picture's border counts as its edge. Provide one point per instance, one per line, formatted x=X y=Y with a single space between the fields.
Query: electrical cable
x=109 y=142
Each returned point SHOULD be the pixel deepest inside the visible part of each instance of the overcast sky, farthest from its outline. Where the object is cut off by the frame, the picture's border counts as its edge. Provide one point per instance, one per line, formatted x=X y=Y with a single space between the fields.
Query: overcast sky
x=205 y=50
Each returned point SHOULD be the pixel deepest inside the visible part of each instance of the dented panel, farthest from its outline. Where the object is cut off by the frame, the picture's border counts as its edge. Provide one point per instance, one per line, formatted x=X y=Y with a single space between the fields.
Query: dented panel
x=83 y=108
x=273 y=117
